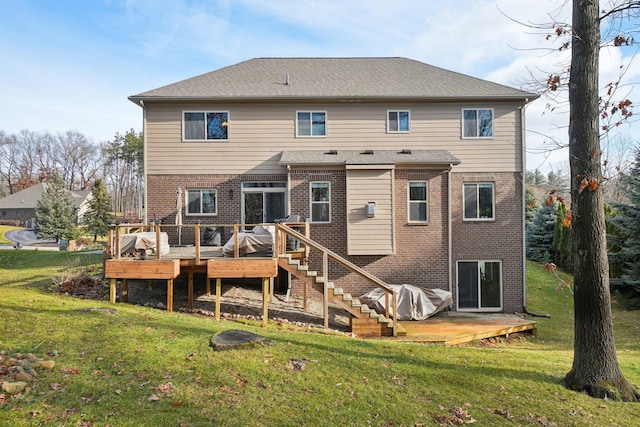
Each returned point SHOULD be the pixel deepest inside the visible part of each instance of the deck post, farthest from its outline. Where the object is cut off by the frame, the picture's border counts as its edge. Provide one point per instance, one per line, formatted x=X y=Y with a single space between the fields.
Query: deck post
x=170 y=295
x=208 y=286
x=236 y=249
x=325 y=296
x=112 y=291
x=117 y=242
x=197 y=236
x=265 y=300
x=190 y=290
x=158 y=245
x=218 y=292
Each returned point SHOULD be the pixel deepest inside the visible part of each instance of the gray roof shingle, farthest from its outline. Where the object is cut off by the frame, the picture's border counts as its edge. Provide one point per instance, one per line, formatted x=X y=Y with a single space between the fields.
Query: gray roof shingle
x=332 y=78
x=367 y=157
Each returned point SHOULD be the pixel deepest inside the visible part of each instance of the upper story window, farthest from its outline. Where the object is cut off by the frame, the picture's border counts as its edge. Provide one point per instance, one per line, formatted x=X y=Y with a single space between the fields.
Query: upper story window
x=418 y=201
x=478 y=201
x=477 y=123
x=311 y=123
x=205 y=125
x=320 y=202
x=398 y=121
x=202 y=202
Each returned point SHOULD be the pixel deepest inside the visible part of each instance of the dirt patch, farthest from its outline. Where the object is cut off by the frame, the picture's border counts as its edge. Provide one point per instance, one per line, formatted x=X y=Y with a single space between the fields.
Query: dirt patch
x=240 y=299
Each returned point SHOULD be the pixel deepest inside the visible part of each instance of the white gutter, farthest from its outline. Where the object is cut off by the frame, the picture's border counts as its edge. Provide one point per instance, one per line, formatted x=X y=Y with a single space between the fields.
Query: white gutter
x=449 y=238
x=144 y=161
x=524 y=208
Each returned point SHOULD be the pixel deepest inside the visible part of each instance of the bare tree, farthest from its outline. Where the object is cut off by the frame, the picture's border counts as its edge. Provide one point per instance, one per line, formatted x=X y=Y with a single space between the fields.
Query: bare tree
x=595 y=367
x=76 y=159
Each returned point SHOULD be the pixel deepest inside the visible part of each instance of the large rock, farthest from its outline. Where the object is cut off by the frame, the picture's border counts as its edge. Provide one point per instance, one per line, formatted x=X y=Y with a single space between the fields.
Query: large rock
x=236 y=338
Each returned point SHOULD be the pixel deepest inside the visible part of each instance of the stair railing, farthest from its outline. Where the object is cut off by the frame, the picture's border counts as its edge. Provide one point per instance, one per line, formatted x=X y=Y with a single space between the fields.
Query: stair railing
x=326 y=256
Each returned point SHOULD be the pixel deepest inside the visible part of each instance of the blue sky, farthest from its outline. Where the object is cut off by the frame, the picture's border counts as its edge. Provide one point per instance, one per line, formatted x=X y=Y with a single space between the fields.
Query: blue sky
x=72 y=64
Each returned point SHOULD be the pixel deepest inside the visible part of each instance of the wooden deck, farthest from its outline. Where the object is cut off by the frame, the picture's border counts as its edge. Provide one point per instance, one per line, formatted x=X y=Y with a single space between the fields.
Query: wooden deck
x=453 y=328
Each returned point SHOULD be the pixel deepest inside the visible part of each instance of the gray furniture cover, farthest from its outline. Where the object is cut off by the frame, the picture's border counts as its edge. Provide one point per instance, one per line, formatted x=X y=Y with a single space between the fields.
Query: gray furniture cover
x=413 y=303
x=259 y=239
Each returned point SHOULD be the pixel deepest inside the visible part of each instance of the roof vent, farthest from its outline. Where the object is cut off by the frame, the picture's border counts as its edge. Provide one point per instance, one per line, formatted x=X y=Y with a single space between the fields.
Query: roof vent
x=405 y=151
x=286 y=79
x=332 y=152
x=369 y=152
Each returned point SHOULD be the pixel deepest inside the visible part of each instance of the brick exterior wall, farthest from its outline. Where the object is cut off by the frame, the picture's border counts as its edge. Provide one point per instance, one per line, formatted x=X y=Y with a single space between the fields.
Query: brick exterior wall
x=500 y=239
x=421 y=250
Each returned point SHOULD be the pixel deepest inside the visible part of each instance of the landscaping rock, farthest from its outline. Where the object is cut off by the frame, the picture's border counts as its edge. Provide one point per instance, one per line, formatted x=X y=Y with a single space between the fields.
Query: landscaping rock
x=14 y=388
x=47 y=364
x=236 y=338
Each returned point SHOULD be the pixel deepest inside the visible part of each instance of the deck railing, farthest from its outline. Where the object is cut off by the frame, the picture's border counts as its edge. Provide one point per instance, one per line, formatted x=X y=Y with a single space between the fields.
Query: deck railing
x=192 y=233
x=284 y=230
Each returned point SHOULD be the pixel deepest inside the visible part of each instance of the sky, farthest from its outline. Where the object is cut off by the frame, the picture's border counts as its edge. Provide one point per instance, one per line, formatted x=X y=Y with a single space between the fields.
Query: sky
x=70 y=65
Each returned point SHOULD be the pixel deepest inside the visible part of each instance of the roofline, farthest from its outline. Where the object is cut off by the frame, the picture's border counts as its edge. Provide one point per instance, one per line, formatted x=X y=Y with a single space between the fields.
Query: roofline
x=526 y=97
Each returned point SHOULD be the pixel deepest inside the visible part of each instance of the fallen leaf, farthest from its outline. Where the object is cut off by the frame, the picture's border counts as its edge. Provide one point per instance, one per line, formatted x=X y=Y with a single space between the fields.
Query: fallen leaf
x=153 y=398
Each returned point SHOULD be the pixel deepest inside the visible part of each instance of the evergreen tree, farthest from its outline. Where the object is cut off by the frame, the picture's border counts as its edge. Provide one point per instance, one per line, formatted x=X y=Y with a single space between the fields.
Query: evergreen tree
x=96 y=219
x=540 y=234
x=531 y=206
x=563 y=253
x=55 y=212
x=624 y=239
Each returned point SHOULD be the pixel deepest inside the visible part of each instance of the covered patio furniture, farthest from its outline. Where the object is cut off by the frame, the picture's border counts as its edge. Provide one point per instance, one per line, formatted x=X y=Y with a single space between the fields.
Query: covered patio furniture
x=414 y=303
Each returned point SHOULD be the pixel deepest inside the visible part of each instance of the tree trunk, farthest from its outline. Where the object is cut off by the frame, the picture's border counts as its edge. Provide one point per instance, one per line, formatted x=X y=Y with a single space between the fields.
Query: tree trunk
x=595 y=364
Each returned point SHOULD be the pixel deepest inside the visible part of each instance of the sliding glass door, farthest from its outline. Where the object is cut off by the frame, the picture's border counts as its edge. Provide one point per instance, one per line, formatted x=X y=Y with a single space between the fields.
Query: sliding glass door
x=479 y=285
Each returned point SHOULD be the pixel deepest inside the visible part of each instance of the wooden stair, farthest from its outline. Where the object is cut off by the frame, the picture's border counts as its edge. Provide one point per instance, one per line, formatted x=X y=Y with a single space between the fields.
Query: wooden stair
x=363 y=320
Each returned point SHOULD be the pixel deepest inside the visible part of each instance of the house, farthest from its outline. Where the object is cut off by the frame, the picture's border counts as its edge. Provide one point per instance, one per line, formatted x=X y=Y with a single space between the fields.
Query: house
x=21 y=206
x=410 y=171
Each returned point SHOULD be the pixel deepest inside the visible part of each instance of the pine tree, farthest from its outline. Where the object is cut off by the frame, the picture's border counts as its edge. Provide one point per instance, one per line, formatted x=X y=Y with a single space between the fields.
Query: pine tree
x=624 y=239
x=55 y=212
x=96 y=219
x=540 y=234
x=532 y=205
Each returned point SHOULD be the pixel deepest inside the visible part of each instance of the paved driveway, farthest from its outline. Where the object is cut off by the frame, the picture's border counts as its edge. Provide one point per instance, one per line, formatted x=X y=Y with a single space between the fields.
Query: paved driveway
x=27 y=239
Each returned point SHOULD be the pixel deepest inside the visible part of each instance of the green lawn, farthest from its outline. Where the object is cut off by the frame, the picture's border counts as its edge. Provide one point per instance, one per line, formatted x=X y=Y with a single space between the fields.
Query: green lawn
x=146 y=367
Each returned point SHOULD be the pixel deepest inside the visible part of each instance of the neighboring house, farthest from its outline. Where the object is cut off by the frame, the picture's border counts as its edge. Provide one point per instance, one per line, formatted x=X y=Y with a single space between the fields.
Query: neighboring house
x=412 y=172
x=21 y=206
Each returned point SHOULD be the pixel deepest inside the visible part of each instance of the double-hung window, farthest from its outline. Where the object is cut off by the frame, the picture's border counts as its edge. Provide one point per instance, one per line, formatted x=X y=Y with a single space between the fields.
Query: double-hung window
x=202 y=202
x=477 y=123
x=320 y=202
x=311 y=123
x=205 y=125
x=418 y=201
x=478 y=201
x=398 y=121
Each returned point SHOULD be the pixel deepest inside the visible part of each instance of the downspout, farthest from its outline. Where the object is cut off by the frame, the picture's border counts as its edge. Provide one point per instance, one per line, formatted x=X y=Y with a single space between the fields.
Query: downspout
x=449 y=229
x=524 y=170
x=144 y=160
x=288 y=190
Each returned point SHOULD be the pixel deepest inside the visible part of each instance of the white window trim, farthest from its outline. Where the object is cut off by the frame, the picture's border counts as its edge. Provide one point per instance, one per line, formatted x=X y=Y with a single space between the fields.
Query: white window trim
x=409 y=201
x=311 y=124
x=184 y=139
x=479 y=309
x=493 y=122
x=311 y=202
x=398 y=131
x=186 y=201
x=493 y=201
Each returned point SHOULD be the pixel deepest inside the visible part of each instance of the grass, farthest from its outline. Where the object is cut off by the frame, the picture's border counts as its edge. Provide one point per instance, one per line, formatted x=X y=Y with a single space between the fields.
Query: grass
x=145 y=367
x=4 y=229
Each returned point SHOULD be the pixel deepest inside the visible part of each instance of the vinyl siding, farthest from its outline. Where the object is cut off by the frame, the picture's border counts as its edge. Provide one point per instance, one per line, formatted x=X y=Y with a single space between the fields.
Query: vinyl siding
x=370 y=236
x=258 y=133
